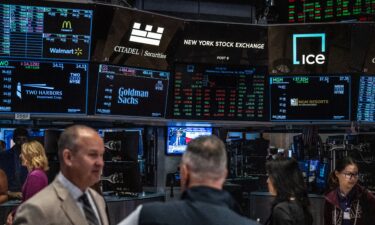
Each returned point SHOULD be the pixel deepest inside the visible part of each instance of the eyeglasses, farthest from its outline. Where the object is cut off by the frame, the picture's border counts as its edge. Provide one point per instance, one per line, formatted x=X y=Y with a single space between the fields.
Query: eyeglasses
x=350 y=175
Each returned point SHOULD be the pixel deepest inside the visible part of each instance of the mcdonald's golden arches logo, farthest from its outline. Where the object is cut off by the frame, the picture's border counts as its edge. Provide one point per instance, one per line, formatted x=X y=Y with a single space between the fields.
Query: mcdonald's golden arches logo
x=66 y=25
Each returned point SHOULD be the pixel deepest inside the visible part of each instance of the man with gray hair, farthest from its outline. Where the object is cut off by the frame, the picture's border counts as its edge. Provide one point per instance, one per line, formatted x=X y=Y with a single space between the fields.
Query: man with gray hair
x=203 y=171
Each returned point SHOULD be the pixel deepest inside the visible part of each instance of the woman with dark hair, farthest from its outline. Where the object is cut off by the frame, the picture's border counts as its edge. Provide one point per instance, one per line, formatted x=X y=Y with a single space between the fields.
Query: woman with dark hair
x=291 y=204
x=348 y=203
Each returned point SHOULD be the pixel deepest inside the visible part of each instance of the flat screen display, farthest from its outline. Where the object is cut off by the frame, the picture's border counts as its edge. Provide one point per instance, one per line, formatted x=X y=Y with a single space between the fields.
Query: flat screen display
x=310 y=11
x=310 y=98
x=366 y=99
x=179 y=137
x=219 y=92
x=43 y=87
x=34 y=31
x=131 y=91
x=252 y=136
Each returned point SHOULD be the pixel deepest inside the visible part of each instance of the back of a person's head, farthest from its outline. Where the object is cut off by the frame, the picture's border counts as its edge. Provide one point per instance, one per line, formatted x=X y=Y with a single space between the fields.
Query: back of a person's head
x=34 y=154
x=20 y=132
x=286 y=178
x=20 y=136
x=341 y=164
x=206 y=157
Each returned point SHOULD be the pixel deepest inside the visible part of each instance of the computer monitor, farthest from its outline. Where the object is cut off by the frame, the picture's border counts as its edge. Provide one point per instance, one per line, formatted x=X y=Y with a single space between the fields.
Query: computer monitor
x=252 y=136
x=310 y=98
x=179 y=137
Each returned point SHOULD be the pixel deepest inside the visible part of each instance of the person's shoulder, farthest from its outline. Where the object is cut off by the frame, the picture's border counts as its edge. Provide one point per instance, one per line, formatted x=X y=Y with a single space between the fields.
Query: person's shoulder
x=46 y=197
x=161 y=205
x=163 y=208
x=38 y=173
x=285 y=208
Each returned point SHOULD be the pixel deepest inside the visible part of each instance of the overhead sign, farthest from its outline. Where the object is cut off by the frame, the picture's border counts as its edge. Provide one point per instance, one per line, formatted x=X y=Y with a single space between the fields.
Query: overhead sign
x=308 y=58
x=144 y=40
x=219 y=43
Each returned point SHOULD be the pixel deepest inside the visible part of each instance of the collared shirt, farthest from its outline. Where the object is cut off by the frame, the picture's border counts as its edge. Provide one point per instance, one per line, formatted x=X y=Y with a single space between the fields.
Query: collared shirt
x=76 y=193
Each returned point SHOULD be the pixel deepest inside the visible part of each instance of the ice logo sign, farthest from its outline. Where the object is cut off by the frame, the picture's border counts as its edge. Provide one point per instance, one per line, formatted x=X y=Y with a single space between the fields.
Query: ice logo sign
x=309 y=59
x=146 y=36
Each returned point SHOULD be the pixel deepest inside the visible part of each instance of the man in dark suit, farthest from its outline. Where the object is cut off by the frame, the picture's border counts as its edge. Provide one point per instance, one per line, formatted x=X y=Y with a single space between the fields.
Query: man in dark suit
x=11 y=164
x=178 y=138
x=203 y=171
x=68 y=200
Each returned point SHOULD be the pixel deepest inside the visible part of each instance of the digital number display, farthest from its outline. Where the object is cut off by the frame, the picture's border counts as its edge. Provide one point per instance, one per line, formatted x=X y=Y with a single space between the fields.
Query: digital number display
x=202 y=92
x=45 y=32
x=366 y=99
x=310 y=98
x=43 y=87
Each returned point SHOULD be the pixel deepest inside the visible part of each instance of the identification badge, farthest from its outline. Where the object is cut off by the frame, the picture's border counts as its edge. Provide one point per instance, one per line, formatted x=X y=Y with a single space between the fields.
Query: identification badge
x=347 y=214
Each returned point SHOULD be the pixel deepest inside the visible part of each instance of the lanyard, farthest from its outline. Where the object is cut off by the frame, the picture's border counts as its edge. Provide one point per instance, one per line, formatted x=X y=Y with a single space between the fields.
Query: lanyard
x=356 y=214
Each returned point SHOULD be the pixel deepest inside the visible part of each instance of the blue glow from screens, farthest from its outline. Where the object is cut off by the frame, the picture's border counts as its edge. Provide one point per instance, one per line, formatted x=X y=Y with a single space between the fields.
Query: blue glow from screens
x=179 y=137
x=234 y=135
x=8 y=136
x=309 y=168
x=322 y=175
x=252 y=136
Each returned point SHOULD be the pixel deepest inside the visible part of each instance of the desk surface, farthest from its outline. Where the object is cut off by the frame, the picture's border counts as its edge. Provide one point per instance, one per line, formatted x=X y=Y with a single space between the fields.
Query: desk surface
x=135 y=196
x=11 y=203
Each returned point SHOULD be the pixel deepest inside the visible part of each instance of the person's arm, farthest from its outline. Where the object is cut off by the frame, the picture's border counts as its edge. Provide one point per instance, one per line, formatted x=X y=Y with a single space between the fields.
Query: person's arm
x=3 y=187
x=327 y=213
x=28 y=214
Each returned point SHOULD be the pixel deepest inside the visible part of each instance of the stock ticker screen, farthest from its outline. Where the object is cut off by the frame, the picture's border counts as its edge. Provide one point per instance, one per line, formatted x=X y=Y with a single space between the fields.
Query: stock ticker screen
x=31 y=31
x=301 y=11
x=366 y=99
x=131 y=91
x=230 y=93
x=310 y=98
x=43 y=87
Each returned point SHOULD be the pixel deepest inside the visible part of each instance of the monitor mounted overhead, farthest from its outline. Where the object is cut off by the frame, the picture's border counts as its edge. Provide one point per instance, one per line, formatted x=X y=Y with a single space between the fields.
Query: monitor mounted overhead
x=129 y=91
x=179 y=137
x=310 y=98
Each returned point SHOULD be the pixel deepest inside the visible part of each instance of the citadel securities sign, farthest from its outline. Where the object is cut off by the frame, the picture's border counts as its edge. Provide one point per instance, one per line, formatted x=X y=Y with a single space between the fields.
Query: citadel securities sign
x=144 y=40
x=208 y=42
x=145 y=36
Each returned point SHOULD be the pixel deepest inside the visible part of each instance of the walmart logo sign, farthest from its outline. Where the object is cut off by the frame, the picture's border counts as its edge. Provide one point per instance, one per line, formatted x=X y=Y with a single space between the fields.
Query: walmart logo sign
x=309 y=58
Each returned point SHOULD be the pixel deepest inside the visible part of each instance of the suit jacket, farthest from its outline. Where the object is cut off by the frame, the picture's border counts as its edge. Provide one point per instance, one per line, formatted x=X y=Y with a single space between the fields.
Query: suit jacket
x=173 y=140
x=55 y=206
